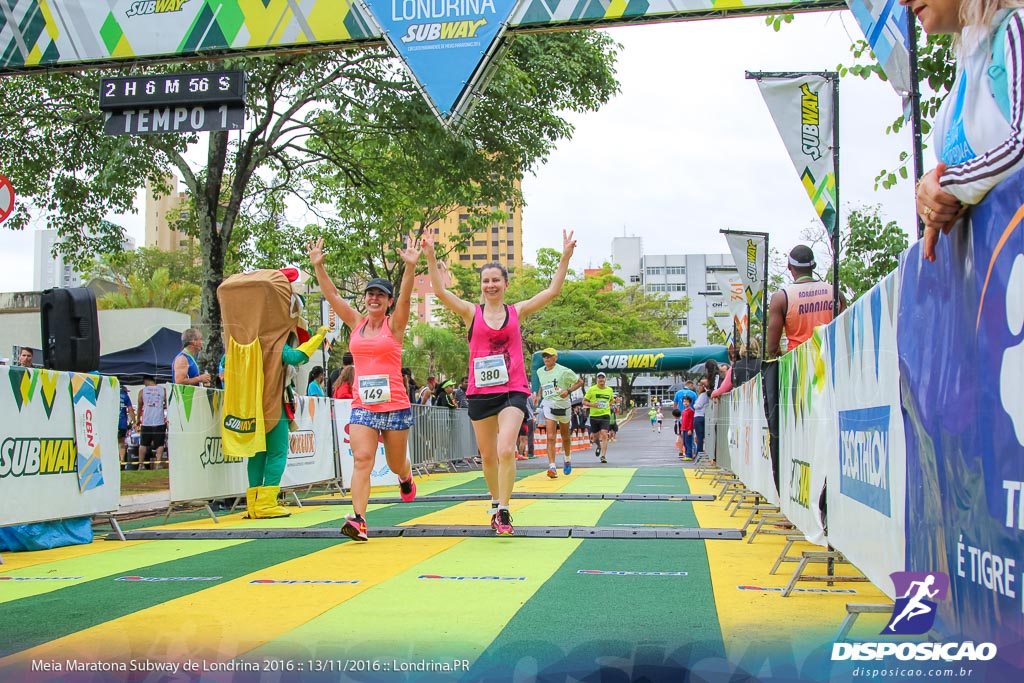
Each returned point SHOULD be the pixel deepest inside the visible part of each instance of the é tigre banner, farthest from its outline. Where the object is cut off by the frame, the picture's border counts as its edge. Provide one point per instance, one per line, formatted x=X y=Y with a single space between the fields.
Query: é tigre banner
x=57 y=460
x=801 y=106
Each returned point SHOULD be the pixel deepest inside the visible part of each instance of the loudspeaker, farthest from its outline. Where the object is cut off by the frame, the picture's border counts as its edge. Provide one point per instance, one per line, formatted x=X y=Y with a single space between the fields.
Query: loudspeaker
x=71 y=331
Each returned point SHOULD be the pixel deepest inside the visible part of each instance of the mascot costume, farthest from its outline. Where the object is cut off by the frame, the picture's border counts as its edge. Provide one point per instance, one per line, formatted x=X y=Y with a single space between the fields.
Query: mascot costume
x=264 y=334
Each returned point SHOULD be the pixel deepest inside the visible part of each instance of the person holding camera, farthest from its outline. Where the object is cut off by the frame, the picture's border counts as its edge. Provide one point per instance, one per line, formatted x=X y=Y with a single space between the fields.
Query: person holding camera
x=557 y=383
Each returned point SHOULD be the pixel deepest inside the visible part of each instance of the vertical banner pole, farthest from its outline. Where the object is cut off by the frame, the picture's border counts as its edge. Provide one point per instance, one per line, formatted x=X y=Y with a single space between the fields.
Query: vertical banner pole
x=835 y=162
x=915 y=108
x=764 y=299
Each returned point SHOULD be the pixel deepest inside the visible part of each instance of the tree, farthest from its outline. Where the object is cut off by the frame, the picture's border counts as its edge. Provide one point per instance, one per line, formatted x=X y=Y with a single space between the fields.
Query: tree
x=155 y=291
x=182 y=265
x=435 y=351
x=317 y=123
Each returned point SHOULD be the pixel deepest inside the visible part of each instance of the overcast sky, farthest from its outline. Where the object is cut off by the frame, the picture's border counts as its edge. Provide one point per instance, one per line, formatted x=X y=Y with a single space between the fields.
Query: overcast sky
x=686 y=149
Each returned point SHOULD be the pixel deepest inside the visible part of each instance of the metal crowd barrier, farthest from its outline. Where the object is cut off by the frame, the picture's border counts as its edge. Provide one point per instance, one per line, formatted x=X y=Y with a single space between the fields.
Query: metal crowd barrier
x=440 y=438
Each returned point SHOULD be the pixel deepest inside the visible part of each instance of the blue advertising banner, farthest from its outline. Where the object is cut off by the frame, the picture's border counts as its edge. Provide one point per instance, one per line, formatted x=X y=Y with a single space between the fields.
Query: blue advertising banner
x=961 y=355
x=444 y=43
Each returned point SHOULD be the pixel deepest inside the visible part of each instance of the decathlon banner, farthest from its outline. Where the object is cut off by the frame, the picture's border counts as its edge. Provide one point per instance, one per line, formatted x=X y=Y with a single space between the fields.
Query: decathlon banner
x=381 y=474
x=868 y=480
x=748 y=439
x=199 y=470
x=960 y=339
x=310 y=444
x=801 y=106
x=750 y=254
x=39 y=447
x=807 y=434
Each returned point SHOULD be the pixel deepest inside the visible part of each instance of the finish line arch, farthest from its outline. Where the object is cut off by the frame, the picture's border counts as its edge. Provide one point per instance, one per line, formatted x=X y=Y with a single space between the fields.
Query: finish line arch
x=631 y=360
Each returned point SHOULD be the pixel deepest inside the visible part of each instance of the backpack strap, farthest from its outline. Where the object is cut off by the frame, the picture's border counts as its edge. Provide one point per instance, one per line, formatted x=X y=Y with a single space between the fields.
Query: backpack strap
x=997 y=68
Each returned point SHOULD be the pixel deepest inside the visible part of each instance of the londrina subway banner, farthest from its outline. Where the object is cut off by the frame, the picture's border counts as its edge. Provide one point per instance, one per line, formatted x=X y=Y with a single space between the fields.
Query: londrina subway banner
x=961 y=360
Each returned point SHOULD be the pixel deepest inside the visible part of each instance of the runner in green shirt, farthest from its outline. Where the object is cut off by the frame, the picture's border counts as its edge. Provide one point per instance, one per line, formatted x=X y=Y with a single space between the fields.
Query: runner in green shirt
x=557 y=382
x=599 y=399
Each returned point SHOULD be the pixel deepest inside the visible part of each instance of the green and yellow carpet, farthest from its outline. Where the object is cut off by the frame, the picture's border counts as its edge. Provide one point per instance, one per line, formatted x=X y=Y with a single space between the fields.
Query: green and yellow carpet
x=430 y=608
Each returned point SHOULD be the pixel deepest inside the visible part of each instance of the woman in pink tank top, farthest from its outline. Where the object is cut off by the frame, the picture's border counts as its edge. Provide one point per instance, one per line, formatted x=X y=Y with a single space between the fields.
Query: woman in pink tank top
x=498 y=388
x=380 y=405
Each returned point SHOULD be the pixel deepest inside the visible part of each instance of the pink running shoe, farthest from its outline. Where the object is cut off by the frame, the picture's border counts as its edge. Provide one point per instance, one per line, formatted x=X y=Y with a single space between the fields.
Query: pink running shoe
x=407 y=489
x=354 y=528
x=504 y=527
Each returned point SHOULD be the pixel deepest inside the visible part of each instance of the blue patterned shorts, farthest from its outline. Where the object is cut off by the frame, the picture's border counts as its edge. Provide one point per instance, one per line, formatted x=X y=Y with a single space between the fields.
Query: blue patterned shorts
x=392 y=421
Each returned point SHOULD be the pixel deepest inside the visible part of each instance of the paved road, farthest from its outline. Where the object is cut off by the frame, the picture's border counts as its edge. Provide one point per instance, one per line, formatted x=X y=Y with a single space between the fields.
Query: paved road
x=636 y=446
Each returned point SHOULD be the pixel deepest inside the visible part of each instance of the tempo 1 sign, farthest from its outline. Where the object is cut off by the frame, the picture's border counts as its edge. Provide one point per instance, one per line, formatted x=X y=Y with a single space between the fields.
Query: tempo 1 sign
x=174 y=120
x=173 y=103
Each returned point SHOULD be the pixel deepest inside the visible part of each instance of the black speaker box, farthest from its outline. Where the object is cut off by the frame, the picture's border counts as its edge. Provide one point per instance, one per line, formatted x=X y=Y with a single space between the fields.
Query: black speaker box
x=71 y=331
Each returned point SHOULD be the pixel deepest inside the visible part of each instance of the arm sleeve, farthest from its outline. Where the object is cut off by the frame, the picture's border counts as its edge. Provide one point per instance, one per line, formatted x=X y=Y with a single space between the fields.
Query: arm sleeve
x=971 y=181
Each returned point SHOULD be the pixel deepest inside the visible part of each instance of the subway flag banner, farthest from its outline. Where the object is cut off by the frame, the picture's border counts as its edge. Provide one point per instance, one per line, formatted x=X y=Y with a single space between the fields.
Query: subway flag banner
x=749 y=253
x=40 y=443
x=445 y=44
x=801 y=107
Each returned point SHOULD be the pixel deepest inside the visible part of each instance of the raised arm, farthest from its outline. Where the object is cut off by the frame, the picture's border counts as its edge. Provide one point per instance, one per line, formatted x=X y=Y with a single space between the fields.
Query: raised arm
x=400 y=316
x=463 y=309
x=545 y=296
x=348 y=315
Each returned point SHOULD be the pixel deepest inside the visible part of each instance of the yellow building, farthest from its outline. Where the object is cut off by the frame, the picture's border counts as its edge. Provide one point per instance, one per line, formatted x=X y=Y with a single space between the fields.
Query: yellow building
x=502 y=241
x=158 y=233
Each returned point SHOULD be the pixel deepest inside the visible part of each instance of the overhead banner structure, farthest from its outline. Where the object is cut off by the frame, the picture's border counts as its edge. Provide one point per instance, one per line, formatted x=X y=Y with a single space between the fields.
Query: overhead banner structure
x=632 y=360
x=803 y=109
x=40 y=34
x=41 y=477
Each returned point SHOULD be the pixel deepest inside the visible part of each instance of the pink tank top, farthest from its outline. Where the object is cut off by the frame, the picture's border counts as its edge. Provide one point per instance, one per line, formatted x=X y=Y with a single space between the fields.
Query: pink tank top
x=376 y=358
x=808 y=304
x=493 y=352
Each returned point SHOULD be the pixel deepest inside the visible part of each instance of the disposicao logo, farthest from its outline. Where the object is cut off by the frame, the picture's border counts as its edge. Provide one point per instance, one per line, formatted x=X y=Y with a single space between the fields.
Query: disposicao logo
x=168 y=578
x=620 y=573
x=914 y=614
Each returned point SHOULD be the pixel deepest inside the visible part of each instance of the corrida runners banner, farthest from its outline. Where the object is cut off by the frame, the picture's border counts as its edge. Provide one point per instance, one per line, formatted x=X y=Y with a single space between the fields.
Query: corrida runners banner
x=39 y=469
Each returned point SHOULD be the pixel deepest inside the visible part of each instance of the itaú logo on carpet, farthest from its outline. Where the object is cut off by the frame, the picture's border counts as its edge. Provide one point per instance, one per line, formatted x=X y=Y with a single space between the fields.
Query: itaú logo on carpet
x=41 y=578
x=169 y=578
x=305 y=581
x=620 y=573
x=471 y=578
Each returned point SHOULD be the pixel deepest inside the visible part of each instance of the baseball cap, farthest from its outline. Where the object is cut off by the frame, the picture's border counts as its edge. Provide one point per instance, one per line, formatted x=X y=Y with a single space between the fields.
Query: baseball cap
x=802 y=256
x=448 y=383
x=549 y=352
x=381 y=284
x=601 y=374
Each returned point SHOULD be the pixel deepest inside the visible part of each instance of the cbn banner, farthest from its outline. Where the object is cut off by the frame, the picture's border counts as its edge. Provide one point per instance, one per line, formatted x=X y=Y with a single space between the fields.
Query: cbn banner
x=801 y=107
x=807 y=434
x=868 y=480
x=40 y=444
x=199 y=470
x=381 y=474
x=748 y=439
x=961 y=353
